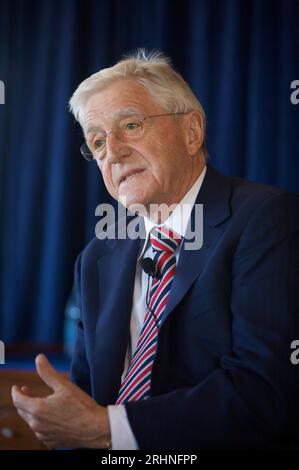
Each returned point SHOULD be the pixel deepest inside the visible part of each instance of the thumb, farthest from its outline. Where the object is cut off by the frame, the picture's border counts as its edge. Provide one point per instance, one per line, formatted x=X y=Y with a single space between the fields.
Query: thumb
x=47 y=373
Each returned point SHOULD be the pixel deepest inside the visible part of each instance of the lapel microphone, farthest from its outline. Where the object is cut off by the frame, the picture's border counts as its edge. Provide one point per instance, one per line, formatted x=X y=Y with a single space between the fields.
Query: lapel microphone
x=149 y=267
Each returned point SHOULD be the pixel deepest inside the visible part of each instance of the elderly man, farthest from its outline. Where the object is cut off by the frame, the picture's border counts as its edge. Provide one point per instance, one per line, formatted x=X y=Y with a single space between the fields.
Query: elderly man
x=193 y=350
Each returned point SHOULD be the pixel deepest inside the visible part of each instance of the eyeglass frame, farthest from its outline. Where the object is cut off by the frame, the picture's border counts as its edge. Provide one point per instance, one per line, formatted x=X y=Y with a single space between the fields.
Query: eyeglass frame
x=85 y=154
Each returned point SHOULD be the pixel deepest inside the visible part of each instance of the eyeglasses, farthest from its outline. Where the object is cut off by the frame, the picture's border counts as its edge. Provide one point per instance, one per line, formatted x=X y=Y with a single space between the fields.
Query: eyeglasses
x=129 y=128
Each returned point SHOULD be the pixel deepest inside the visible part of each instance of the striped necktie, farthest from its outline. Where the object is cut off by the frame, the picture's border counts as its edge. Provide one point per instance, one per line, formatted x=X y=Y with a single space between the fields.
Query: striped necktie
x=136 y=384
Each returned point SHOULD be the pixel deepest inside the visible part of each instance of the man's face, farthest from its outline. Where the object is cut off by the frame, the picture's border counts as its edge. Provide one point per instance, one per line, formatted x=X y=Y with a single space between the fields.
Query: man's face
x=149 y=170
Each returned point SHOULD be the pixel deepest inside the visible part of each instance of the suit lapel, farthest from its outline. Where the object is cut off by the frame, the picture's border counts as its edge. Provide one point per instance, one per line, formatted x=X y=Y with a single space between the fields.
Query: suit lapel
x=214 y=195
x=116 y=272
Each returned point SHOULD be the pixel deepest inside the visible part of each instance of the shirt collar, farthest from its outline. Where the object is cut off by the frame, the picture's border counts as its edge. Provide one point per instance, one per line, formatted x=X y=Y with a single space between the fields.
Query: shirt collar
x=179 y=218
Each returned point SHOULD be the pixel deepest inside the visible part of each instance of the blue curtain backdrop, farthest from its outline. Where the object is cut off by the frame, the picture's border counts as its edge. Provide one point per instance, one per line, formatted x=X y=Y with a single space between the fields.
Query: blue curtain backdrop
x=240 y=57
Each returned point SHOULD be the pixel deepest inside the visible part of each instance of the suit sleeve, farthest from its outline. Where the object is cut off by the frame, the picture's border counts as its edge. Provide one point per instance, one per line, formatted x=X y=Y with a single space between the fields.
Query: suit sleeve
x=80 y=373
x=252 y=397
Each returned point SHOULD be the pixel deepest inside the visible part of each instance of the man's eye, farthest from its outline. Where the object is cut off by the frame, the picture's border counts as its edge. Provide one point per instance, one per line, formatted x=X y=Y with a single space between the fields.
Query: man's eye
x=132 y=125
x=98 y=144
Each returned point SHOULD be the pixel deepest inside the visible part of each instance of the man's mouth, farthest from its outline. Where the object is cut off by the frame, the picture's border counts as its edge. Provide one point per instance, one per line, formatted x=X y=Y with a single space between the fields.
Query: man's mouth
x=130 y=175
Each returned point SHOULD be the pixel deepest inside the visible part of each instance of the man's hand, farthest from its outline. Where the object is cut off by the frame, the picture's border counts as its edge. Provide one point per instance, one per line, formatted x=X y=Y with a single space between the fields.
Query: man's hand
x=66 y=418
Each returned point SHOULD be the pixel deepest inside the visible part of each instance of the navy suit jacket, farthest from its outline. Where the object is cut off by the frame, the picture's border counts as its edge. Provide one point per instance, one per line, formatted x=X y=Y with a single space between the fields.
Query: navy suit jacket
x=222 y=376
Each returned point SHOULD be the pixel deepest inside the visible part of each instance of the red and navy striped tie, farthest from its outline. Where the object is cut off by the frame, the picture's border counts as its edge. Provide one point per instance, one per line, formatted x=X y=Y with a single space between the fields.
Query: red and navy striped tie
x=136 y=384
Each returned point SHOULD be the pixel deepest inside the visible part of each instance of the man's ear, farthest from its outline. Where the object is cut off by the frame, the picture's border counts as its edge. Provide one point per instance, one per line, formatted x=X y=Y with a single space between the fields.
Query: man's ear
x=194 y=132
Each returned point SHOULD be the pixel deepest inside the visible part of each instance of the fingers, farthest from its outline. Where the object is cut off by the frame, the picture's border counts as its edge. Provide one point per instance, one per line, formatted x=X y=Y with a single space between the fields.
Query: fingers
x=23 y=415
x=28 y=391
x=32 y=409
x=21 y=400
x=47 y=373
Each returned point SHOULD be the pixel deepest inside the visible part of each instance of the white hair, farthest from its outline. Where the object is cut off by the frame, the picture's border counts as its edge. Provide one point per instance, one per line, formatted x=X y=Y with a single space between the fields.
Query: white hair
x=154 y=71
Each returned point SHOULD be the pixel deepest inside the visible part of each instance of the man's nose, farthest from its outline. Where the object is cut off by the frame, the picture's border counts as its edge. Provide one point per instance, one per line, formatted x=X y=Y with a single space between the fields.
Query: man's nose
x=116 y=149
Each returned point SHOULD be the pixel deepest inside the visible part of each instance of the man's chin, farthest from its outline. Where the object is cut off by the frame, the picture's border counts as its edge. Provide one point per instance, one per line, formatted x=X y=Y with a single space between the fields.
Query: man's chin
x=134 y=204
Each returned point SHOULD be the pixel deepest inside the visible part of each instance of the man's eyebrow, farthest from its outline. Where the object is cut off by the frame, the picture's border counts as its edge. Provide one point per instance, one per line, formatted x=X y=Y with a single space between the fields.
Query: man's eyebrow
x=123 y=113
x=93 y=129
x=127 y=112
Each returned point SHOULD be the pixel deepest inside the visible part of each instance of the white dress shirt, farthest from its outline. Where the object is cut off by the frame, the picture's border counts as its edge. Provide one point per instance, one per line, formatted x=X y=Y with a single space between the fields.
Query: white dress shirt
x=121 y=433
